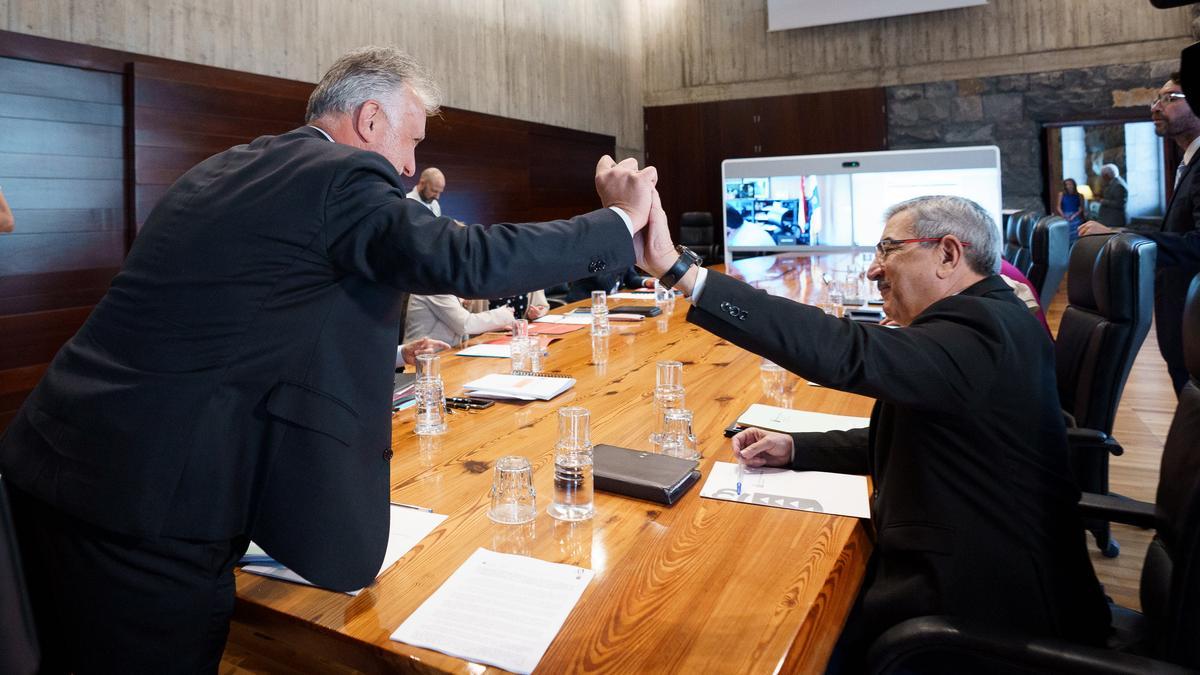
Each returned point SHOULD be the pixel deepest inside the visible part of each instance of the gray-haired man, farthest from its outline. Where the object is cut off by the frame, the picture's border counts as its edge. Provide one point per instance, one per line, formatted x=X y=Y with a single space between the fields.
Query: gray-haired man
x=1114 y=197
x=974 y=507
x=235 y=382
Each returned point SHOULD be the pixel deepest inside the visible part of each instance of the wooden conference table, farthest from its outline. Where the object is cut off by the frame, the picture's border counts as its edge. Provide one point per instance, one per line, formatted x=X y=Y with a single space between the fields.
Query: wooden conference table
x=701 y=586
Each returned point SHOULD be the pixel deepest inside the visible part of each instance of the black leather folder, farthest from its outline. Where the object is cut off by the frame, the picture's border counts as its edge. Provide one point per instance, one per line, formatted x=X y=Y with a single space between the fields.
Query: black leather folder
x=644 y=310
x=644 y=475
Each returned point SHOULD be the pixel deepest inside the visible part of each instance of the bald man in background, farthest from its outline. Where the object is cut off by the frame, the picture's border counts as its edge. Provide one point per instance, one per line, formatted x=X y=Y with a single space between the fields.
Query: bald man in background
x=429 y=188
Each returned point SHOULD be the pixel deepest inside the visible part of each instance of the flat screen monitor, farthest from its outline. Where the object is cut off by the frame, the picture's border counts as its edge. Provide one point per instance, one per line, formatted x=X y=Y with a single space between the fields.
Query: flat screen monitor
x=834 y=201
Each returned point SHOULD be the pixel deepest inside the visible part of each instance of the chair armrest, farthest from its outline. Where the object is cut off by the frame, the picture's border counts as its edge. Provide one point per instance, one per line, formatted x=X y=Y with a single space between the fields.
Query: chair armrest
x=1092 y=440
x=1118 y=509
x=972 y=647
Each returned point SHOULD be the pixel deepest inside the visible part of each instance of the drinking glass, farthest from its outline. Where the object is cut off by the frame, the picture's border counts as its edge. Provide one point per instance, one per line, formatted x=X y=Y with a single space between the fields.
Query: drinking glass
x=664 y=298
x=573 y=483
x=774 y=379
x=431 y=406
x=668 y=394
x=600 y=313
x=514 y=499
x=678 y=439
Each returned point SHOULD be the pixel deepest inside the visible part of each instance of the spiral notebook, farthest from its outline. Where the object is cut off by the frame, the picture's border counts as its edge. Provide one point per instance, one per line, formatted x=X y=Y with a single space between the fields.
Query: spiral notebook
x=520 y=386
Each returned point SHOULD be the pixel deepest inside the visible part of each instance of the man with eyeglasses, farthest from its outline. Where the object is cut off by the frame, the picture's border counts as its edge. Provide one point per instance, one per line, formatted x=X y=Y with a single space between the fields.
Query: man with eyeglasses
x=1178 y=239
x=974 y=505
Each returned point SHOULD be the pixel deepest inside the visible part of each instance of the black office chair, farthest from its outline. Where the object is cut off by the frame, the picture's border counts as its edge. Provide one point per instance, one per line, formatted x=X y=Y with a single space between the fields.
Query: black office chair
x=1018 y=233
x=556 y=296
x=1165 y=638
x=1049 y=251
x=697 y=233
x=19 y=653
x=1110 y=295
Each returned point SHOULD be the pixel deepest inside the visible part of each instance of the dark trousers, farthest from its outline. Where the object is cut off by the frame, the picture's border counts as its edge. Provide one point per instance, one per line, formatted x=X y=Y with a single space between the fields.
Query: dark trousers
x=110 y=603
x=1170 y=294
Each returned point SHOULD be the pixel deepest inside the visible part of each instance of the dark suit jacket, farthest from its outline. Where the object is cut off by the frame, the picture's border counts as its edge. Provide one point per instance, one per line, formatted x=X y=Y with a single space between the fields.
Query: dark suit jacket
x=974 y=506
x=1112 y=203
x=237 y=376
x=1178 y=261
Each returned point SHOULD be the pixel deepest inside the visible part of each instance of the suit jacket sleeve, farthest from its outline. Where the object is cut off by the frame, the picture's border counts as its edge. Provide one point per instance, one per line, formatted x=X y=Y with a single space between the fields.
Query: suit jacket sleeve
x=944 y=362
x=372 y=230
x=1181 y=249
x=833 y=451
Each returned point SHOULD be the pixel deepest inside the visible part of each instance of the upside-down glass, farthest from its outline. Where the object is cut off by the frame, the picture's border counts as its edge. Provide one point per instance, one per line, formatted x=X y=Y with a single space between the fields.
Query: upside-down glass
x=664 y=298
x=430 y=396
x=774 y=380
x=514 y=499
x=678 y=439
x=573 y=483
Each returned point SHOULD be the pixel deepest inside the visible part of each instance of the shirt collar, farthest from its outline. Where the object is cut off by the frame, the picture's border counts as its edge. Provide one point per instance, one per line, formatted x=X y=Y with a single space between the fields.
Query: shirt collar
x=323 y=133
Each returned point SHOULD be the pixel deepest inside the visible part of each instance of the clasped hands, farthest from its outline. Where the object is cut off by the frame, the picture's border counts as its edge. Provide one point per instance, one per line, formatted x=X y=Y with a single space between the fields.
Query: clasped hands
x=623 y=185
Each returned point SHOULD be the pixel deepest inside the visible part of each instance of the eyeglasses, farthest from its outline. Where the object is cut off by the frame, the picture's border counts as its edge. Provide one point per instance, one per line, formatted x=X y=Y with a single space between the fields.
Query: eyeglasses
x=1163 y=99
x=886 y=247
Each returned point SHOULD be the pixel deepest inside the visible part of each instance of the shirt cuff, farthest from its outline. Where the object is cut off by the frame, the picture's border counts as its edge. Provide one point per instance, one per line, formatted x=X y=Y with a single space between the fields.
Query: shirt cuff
x=698 y=287
x=624 y=218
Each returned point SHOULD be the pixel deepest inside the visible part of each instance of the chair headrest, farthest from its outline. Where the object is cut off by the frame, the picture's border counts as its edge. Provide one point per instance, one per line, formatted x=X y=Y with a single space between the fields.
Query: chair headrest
x=1191 y=329
x=1105 y=273
x=696 y=219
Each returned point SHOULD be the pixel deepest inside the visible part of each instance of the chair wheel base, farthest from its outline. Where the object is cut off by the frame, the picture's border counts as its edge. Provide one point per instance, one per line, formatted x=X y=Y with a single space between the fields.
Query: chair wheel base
x=1110 y=550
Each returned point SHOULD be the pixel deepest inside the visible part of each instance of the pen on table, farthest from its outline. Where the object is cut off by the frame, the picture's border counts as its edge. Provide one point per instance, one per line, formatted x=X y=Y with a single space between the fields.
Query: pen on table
x=415 y=508
x=741 y=472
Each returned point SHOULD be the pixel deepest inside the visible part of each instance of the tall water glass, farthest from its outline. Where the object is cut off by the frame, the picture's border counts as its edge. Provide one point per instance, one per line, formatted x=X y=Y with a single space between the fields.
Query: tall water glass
x=599 y=313
x=678 y=439
x=668 y=395
x=573 y=486
x=774 y=380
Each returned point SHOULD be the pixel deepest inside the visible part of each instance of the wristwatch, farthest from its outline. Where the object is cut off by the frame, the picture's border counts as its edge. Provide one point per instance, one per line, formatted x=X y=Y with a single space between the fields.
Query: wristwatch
x=687 y=258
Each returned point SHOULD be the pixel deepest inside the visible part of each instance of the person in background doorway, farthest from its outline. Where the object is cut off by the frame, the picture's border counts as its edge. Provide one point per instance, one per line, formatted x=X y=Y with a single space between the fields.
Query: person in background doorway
x=1069 y=205
x=1112 y=200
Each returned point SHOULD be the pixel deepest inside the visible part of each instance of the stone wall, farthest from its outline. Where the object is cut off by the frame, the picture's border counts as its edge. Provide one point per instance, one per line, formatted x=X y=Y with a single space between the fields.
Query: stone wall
x=1008 y=111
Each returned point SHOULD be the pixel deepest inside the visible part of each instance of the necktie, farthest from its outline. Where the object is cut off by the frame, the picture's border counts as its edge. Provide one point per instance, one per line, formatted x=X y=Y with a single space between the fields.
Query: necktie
x=1179 y=173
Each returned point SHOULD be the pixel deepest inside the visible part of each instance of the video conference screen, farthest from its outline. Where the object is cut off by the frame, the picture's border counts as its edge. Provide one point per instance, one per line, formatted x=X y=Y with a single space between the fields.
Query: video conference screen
x=844 y=205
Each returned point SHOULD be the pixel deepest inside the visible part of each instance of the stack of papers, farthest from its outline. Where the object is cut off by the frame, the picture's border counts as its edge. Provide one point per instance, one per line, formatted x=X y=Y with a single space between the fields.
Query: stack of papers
x=499 y=609
x=408 y=527
x=797 y=421
x=519 y=387
x=499 y=349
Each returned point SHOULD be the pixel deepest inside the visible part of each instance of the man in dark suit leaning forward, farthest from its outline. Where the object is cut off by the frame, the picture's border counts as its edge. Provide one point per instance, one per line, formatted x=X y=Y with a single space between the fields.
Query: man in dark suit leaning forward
x=974 y=507
x=235 y=380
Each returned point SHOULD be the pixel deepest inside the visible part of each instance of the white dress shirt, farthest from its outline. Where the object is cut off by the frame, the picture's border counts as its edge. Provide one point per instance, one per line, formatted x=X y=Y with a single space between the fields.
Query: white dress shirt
x=432 y=205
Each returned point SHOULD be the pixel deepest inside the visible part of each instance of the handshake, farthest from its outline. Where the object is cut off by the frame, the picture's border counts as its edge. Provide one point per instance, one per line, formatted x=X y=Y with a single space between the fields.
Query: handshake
x=624 y=186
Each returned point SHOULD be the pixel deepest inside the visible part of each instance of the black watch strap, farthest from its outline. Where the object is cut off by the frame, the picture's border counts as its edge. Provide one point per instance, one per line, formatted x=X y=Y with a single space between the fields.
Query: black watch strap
x=687 y=258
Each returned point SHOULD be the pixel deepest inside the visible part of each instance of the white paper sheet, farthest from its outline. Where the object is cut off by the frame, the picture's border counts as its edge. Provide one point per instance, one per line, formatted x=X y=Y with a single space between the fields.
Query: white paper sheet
x=408 y=526
x=834 y=493
x=487 y=350
x=499 y=609
x=797 y=421
x=632 y=295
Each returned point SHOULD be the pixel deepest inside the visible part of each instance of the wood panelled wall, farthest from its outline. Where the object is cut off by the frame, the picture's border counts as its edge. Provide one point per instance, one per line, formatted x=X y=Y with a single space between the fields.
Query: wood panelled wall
x=687 y=143
x=570 y=63
x=706 y=50
x=91 y=140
